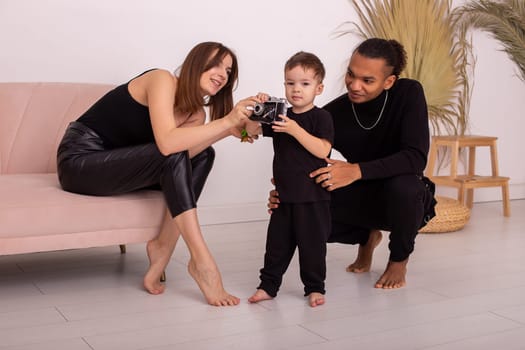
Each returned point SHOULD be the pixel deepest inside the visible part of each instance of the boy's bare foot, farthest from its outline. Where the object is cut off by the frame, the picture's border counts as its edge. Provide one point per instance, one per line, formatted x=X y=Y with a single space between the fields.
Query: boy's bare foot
x=159 y=258
x=363 y=262
x=315 y=299
x=394 y=275
x=259 y=295
x=210 y=283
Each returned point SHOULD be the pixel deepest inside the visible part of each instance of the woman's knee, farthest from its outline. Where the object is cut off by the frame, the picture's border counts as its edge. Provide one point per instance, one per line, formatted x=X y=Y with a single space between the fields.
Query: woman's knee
x=176 y=183
x=209 y=152
x=201 y=164
x=174 y=159
x=177 y=163
x=205 y=158
x=176 y=168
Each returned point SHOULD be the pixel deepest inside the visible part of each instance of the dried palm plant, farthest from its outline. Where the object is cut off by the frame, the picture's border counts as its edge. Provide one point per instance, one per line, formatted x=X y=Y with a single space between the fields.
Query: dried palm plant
x=504 y=20
x=439 y=56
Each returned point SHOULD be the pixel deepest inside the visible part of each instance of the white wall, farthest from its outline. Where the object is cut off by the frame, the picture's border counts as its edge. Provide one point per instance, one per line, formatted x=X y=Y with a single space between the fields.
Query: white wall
x=110 y=41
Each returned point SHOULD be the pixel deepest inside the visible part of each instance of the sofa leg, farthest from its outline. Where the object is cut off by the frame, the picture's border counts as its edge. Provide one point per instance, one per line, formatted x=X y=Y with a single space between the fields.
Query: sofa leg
x=163 y=276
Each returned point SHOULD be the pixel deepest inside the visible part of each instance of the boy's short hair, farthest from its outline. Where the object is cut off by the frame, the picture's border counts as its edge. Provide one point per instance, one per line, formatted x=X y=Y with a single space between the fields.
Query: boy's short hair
x=306 y=60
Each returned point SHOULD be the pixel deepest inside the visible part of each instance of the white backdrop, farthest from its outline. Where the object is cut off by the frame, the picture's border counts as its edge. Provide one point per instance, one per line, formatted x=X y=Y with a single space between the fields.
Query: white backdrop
x=111 y=41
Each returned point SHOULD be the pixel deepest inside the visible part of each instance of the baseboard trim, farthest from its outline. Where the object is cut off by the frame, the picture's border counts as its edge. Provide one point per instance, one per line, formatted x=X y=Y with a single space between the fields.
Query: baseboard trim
x=242 y=212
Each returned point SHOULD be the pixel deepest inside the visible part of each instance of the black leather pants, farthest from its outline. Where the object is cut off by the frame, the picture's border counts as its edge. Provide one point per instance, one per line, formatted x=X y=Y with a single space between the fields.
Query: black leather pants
x=85 y=166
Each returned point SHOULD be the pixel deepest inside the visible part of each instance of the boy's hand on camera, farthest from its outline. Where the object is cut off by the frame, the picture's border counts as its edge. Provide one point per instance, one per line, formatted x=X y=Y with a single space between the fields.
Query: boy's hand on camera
x=286 y=125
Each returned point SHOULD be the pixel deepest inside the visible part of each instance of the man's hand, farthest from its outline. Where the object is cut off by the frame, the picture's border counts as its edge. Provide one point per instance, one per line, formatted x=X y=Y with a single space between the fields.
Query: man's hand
x=273 y=200
x=337 y=174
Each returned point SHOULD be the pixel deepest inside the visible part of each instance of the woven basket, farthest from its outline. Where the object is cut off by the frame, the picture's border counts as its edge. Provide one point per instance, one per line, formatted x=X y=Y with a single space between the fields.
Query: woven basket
x=451 y=216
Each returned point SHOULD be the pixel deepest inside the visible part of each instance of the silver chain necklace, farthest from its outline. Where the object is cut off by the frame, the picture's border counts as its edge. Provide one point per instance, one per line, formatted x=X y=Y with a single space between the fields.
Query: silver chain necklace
x=378 y=118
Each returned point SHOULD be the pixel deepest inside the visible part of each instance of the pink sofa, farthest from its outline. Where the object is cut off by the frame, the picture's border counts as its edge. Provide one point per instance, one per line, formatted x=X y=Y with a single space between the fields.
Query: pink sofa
x=35 y=213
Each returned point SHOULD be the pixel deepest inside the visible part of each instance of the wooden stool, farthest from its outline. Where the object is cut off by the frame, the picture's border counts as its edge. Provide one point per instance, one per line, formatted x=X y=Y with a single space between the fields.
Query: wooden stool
x=467 y=182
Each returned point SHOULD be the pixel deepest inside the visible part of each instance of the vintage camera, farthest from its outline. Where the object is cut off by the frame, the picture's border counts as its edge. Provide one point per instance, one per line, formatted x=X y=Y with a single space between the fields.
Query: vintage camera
x=269 y=111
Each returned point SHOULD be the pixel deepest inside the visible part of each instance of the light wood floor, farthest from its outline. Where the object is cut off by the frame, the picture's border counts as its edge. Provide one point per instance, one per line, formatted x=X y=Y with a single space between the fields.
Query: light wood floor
x=466 y=290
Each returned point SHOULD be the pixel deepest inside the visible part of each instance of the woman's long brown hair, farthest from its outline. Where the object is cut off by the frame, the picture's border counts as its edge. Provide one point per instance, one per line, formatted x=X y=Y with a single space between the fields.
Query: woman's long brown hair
x=204 y=56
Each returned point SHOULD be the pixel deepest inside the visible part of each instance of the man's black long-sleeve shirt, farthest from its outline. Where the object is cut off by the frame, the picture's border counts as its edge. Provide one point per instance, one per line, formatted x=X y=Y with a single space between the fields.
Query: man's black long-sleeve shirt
x=397 y=145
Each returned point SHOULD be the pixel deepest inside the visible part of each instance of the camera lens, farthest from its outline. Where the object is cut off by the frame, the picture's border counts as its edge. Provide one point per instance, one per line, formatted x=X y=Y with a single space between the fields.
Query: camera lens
x=258 y=109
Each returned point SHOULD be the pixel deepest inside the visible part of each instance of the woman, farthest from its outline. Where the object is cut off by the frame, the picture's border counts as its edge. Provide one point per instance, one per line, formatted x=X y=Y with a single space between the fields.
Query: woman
x=151 y=131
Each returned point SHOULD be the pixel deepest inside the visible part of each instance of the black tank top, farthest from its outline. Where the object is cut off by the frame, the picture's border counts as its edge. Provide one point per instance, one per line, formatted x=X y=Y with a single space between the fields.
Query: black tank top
x=119 y=120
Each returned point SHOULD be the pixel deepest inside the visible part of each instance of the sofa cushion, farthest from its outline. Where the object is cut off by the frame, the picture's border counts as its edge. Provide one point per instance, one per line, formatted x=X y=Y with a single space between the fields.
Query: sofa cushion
x=35 y=205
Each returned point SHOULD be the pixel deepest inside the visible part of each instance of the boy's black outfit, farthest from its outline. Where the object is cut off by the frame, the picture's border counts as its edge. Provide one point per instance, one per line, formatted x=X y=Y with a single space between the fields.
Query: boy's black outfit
x=303 y=217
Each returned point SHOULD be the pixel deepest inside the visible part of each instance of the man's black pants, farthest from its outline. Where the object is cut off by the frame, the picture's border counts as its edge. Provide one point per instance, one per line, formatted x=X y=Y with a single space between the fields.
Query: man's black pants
x=400 y=204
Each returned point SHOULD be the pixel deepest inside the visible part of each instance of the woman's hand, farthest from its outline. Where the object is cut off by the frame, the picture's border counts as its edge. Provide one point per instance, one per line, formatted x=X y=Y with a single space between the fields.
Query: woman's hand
x=262 y=97
x=240 y=113
x=251 y=131
x=337 y=174
x=244 y=128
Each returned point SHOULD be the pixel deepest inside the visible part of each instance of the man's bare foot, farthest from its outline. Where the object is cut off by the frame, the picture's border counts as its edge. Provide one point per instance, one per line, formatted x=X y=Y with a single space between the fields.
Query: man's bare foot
x=394 y=275
x=159 y=258
x=363 y=262
x=315 y=299
x=209 y=281
x=259 y=295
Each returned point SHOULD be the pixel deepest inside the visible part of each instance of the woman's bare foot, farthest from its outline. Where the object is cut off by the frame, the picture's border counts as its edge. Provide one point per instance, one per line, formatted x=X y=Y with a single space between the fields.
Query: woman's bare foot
x=394 y=275
x=259 y=295
x=210 y=283
x=159 y=257
x=363 y=262
x=315 y=299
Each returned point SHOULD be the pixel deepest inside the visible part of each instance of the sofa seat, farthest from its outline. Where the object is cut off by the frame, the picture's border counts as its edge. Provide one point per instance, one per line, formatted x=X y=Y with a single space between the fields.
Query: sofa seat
x=34 y=209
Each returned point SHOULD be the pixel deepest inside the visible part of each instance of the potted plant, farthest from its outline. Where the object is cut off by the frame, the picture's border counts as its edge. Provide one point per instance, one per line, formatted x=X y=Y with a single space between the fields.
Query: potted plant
x=504 y=20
